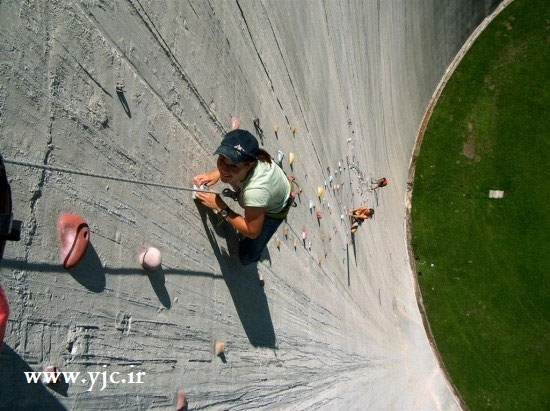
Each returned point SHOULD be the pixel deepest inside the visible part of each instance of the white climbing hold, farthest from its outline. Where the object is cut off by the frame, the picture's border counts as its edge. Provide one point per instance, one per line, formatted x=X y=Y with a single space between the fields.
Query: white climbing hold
x=280 y=156
x=150 y=259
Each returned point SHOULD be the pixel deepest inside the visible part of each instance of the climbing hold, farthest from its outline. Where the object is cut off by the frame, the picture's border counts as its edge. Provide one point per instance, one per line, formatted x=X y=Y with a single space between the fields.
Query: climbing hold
x=285 y=230
x=276 y=129
x=330 y=178
x=220 y=348
x=119 y=87
x=342 y=217
x=293 y=129
x=181 y=403
x=290 y=158
x=324 y=200
x=74 y=236
x=277 y=242
x=235 y=123
x=280 y=156
x=48 y=375
x=256 y=122
x=304 y=234
x=319 y=214
x=320 y=191
x=295 y=243
x=4 y=313
x=310 y=205
x=150 y=259
x=202 y=187
x=337 y=186
x=325 y=183
x=309 y=246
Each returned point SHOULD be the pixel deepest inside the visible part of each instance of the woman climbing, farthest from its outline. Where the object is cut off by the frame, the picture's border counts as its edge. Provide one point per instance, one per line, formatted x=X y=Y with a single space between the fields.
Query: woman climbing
x=358 y=215
x=263 y=191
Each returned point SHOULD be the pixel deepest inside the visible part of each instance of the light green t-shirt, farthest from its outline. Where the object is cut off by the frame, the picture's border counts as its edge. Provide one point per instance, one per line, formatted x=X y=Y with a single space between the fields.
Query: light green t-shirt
x=266 y=186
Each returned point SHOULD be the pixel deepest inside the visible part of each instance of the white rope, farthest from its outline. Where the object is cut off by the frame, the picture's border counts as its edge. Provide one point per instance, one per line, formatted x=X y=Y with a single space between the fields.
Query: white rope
x=84 y=173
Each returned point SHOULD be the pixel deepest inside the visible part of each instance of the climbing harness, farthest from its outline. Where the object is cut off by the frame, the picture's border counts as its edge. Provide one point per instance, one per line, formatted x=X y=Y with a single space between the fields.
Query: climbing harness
x=226 y=192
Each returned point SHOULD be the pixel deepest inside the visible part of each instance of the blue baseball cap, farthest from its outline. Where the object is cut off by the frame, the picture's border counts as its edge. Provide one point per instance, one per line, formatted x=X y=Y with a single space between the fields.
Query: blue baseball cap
x=238 y=146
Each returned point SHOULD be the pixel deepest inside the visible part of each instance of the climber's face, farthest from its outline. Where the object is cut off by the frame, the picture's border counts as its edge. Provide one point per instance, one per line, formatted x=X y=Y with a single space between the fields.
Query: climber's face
x=232 y=173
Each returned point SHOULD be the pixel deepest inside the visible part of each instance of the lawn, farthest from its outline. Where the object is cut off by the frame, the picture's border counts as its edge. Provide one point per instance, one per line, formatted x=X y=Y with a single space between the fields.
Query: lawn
x=483 y=263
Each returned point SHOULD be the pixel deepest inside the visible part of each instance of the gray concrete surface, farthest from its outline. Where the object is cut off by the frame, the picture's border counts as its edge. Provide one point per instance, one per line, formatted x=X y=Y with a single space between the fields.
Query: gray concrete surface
x=341 y=331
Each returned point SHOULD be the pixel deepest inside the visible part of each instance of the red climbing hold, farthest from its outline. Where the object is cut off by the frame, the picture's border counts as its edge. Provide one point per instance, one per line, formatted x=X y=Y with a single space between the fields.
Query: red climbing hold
x=74 y=236
x=4 y=312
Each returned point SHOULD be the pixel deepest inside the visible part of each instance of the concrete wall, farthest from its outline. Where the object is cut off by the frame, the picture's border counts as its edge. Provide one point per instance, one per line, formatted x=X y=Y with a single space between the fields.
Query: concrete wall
x=336 y=331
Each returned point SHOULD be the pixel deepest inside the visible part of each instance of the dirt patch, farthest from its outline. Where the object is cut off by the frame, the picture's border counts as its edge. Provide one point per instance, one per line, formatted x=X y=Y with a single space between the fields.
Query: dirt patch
x=469 y=148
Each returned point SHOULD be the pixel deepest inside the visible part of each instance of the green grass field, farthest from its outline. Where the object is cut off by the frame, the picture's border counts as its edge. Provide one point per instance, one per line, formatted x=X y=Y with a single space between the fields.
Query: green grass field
x=483 y=264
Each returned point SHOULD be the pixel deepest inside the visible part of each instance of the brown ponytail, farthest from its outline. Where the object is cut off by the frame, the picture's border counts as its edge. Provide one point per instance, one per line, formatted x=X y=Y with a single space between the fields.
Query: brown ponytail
x=262 y=156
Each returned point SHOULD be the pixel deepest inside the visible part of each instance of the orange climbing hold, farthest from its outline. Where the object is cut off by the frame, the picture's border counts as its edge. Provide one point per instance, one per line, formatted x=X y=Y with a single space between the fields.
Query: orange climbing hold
x=319 y=214
x=219 y=348
x=74 y=236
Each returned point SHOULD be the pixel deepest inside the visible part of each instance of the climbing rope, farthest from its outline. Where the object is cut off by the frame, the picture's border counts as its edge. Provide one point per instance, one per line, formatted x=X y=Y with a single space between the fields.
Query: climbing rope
x=226 y=192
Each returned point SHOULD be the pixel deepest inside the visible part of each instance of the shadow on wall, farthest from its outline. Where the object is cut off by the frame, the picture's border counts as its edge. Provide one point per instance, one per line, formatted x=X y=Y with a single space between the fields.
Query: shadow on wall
x=242 y=281
x=15 y=392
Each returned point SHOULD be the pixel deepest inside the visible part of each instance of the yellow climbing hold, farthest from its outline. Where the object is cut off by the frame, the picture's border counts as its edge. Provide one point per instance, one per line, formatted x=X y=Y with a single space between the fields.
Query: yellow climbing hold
x=293 y=129
x=320 y=191
x=291 y=158
x=285 y=230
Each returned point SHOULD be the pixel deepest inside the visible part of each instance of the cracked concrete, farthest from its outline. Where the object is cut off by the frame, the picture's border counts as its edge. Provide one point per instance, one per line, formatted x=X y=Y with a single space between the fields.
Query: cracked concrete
x=335 y=327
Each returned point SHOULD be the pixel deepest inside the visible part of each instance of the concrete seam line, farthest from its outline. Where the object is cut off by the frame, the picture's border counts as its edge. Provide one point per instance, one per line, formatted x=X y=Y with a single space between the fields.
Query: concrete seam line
x=410 y=183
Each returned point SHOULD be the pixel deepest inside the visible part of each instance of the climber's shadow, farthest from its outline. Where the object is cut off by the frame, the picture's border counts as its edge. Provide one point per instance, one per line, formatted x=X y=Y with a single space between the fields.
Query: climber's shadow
x=242 y=282
x=16 y=392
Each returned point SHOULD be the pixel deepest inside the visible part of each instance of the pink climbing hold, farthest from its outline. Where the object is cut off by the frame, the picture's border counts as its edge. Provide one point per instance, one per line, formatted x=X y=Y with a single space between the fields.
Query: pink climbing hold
x=235 y=124
x=150 y=259
x=4 y=313
x=319 y=214
x=74 y=236
x=47 y=373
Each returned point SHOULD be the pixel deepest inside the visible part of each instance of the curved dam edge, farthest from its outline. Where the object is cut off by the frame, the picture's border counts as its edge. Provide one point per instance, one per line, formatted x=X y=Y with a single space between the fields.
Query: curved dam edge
x=337 y=324
x=410 y=183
